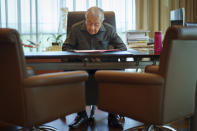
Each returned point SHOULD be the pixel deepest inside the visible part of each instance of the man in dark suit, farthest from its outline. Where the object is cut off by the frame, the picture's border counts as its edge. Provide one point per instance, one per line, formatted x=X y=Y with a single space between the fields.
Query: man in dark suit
x=93 y=34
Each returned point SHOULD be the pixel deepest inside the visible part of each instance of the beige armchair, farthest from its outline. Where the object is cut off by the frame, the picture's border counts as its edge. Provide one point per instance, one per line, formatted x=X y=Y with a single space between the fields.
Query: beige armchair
x=30 y=101
x=162 y=94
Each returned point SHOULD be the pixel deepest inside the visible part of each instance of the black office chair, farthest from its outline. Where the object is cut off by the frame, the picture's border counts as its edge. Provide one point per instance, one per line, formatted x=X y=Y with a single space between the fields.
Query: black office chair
x=74 y=17
x=77 y=16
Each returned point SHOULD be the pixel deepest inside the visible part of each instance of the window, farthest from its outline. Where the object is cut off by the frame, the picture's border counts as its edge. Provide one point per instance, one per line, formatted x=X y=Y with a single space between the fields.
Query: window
x=36 y=20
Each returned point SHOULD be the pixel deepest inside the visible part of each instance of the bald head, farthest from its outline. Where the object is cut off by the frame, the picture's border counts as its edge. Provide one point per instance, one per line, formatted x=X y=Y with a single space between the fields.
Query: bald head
x=96 y=12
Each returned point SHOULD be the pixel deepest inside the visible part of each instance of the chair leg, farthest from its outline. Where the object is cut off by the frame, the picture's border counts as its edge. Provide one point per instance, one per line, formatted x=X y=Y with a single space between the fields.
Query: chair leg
x=152 y=128
x=169 y=128
x=39 y=128
x=44 y=127
x=162 y=128
x=138 y=128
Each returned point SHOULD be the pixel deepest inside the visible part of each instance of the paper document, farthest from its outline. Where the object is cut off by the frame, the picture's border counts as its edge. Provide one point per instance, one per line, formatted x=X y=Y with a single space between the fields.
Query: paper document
x=87 y=51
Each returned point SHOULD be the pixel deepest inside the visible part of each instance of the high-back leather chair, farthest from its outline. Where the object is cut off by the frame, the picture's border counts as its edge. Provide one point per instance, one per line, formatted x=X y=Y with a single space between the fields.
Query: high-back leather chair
x=29 y=101
x=163 y=93
x=76 y=16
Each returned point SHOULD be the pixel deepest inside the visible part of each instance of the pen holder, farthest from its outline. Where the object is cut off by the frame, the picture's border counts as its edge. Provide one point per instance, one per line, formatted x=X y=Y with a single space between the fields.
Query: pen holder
x=157 y=43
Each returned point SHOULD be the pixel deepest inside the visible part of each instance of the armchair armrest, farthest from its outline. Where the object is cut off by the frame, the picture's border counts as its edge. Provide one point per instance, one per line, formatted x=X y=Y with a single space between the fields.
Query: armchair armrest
x=152 y=69
x=55 y=78
x=129 y=78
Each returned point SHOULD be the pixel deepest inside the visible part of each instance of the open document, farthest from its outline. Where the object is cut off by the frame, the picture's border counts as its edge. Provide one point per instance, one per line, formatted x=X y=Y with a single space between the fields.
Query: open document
x=87 y=51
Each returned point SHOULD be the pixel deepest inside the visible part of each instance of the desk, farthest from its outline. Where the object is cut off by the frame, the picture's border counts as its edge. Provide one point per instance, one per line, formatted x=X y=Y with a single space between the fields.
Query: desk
x=48 y=61
x=54 y=60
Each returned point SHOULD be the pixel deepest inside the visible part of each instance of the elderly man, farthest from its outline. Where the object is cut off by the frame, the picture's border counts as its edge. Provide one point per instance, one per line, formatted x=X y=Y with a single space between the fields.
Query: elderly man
x=93 y=34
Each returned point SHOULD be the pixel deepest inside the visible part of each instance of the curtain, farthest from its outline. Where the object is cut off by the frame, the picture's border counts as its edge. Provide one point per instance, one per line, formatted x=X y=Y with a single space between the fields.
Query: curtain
x=31 y=16
x=154 y=15
x=124 y=10
x=37 y=20
x=190 y=8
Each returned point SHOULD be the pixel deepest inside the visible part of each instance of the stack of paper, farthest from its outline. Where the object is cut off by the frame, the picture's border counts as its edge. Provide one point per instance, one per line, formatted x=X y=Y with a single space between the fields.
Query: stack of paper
x=137 y=38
